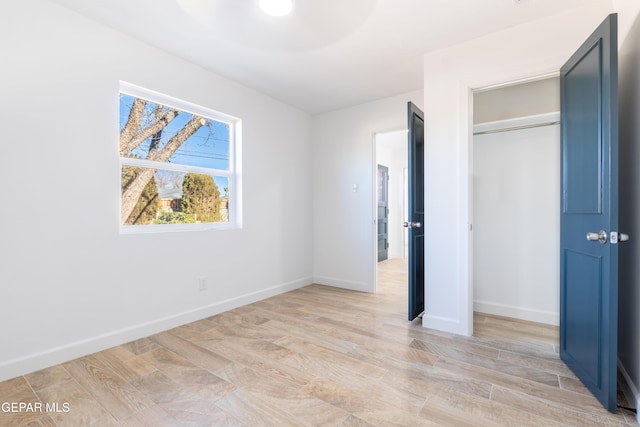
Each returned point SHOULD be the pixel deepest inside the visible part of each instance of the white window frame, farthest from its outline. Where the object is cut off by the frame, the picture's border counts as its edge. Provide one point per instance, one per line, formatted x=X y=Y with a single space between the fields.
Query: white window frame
x=233 y=174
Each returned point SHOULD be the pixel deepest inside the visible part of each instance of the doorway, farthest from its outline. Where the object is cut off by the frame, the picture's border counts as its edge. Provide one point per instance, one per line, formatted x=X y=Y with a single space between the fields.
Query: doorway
x=391 y=151
x=516 y=196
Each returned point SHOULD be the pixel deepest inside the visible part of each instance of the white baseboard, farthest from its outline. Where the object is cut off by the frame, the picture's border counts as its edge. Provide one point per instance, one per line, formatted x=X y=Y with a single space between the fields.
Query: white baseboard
x=521 y=313
x=34 y=362
x=443 y=324
x=343 y=284
x=629 y=389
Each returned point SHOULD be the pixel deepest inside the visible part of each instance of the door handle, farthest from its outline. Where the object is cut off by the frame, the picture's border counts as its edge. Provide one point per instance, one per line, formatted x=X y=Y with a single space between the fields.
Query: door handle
x=597 y=237
x=412 y=224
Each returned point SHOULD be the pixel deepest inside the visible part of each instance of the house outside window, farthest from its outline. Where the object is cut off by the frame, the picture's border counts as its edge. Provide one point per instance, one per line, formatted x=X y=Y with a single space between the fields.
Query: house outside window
x=179 y=164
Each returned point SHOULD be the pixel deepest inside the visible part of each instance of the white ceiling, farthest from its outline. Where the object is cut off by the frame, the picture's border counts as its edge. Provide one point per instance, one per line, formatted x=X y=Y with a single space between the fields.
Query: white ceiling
x=327 y=54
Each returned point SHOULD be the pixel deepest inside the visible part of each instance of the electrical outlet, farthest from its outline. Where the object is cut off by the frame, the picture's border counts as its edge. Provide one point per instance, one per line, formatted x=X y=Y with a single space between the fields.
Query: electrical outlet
x=202 y=284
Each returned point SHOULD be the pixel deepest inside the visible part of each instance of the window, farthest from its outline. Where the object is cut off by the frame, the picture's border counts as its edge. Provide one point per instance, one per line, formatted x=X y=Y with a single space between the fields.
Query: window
x=179 y=164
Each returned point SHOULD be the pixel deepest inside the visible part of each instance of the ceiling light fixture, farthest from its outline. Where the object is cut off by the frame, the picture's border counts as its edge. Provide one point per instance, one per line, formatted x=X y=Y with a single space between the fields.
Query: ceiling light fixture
x=276 y=7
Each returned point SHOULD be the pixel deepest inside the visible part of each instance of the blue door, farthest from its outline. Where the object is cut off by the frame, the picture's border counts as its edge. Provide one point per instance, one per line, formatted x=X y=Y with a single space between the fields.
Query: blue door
x=589 y=213
x=416 y=211
x=383 y=213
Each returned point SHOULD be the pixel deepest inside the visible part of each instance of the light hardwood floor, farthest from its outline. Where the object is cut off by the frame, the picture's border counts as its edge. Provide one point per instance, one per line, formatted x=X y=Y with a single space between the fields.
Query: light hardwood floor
x=319 y=356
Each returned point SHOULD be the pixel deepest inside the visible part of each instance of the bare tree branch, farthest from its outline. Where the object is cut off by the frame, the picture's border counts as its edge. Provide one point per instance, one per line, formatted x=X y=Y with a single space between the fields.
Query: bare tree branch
x=132 y=193
x=176 y=141
x=157 y=137
x=157 y=126
x=133 y=124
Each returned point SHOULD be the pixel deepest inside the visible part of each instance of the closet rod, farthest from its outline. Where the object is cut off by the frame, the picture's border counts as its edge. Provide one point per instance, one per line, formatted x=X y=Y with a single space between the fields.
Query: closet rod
x=537 y=125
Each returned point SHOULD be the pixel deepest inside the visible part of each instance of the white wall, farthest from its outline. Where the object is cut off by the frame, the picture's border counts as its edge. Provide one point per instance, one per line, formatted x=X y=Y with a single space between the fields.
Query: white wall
x=516 y=228
x=391 y=151
x=343 y=155
x=629 y=252
x=71 y=284
x=627 y=11
x=520 y=100
x=521 y=52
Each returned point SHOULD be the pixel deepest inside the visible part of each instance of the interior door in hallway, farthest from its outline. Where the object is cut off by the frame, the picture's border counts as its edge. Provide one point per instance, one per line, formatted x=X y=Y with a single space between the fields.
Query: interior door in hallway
x=383 y=213
x=415 y=220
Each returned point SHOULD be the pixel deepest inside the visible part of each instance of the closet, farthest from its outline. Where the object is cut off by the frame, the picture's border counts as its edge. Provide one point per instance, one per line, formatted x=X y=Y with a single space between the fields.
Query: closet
x=516 y=201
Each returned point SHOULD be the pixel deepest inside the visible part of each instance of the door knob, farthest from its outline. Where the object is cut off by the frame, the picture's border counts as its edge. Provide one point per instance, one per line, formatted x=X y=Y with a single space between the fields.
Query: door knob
x=597 y=237
x=412 y=224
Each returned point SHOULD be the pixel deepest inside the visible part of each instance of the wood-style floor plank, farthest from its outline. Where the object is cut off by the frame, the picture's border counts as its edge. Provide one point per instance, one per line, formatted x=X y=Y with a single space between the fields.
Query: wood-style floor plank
x=287 y=396
x=15 y=392
x=319 y=356
x=552 y=411
x=119 y=397
x=83 y=410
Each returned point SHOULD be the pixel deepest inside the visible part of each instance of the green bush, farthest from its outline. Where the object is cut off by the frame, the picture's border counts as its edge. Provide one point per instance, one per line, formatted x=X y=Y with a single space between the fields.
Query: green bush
x=175 y=218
